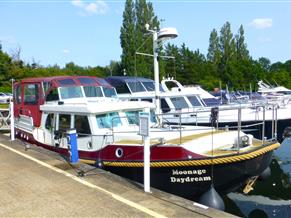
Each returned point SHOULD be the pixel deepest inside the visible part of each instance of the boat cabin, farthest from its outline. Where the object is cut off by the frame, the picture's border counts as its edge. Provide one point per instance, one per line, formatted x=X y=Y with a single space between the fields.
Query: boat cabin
x=29 y=94
x=143 y=89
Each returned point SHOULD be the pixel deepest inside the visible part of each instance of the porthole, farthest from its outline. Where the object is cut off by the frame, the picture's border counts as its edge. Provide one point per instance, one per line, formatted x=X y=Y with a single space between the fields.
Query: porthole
x=119 y=152
x=89 y=145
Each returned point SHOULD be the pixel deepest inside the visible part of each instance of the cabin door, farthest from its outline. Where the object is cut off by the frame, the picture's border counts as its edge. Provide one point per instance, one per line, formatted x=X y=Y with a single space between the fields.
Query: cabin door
x=50 y=126
x=62 y=124
x=31 y=99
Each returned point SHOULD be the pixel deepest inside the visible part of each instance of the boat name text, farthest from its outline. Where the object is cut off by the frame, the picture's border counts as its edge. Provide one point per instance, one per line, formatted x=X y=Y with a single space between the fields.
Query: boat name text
x=188 y=172
x=198 y=176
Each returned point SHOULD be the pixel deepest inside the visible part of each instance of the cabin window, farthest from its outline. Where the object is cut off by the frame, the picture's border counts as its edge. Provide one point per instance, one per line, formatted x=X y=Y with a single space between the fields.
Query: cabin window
x=132 y=117
x=49 y=123
x=82 y=126
x=52 y=95
x=109 y=92
x=194 y=101
x=147 y=99
x=17 y=94
x=153 y=118
x=64 y=122
x=164 y=105
x=102 y=82
x=71 y=92
x=150 y=86
x=86 y=81
x=122 y=88
x=108 y=120
x=171 y=84
x=46 y=86
x=65 y=82
x=179 y=102
x=211 y=101
x=93 y=91
x=31 y=93
x=136 y=87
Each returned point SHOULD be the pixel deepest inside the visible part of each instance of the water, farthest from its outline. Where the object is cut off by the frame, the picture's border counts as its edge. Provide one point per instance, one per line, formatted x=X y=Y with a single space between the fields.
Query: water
x=271 y=197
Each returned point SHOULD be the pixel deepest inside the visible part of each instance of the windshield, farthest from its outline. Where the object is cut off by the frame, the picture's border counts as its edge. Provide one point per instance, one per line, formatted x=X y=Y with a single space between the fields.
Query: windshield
x=93 y=91
x=71 y=92
x=150 y=86
x=194 y=101
x=132 y=117
x=108 y=120
x=136 y=87
x=179 y=102
x=109 y=92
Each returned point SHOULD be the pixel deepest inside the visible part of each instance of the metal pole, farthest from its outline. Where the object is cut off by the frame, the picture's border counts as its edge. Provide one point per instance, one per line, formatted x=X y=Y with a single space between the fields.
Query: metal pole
x=156 y=73
x=263 y=127
x=238 y=127
x=12 y=132
x=146 y=158
x=180 y=127
x=276 y=122
x=273 y=120
x=146 y=163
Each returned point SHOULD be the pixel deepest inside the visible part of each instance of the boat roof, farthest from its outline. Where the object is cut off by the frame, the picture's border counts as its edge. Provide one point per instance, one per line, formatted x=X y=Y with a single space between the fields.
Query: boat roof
x=104 y=105
x=60 y=81
x=128 y=79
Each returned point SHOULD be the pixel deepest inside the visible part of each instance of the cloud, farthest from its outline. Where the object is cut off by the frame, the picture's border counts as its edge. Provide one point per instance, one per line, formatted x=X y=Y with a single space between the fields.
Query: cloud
x=261 y=23
x=87 y=9
x=65 y=51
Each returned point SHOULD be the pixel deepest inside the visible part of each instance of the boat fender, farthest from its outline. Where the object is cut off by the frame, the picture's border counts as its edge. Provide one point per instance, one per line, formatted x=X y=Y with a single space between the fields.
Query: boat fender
x=287 y=133
x=99 y=163
x=214 y=116
x=212 y=199
x=265 y=174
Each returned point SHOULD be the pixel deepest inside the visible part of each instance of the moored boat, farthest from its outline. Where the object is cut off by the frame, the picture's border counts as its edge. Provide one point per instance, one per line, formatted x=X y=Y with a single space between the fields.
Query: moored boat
x=192 y=106
x=184 y=160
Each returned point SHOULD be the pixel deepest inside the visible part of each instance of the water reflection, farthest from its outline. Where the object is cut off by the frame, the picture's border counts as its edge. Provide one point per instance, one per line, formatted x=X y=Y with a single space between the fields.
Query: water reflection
x=271 y=197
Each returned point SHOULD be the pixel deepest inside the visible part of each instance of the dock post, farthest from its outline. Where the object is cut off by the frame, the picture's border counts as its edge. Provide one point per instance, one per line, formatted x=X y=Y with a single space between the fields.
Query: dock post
x=12 y=131
x=146 y=163
x=11 y=108
x=144 y=132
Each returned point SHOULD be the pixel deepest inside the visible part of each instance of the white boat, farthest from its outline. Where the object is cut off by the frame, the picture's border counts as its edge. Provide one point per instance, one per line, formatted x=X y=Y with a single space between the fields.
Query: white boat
x=184 y=160
x=185 y=105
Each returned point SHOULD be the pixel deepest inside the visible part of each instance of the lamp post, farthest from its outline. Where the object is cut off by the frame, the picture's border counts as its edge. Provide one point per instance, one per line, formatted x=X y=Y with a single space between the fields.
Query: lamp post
x=159 y=36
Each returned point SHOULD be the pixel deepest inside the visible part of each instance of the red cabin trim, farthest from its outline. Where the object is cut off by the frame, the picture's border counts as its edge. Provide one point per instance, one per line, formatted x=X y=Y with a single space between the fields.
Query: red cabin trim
x=27 y=107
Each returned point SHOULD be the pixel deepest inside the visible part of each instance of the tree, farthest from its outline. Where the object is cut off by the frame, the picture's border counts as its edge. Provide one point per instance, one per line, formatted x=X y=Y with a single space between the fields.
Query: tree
x=265 y=63
x=114 y=68
x=227 y=48
x=127 y=37
x=135 y=38
x=214 y=54
x=242 y=52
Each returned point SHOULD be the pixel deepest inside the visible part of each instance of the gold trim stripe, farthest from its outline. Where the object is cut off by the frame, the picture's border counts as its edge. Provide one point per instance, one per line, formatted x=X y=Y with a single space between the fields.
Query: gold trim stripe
x=214 y=161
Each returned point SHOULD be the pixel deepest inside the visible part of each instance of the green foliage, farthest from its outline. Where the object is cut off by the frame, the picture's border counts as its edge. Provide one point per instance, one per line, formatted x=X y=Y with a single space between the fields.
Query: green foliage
x=228 y=62
x=16 y=69
x=135 y=38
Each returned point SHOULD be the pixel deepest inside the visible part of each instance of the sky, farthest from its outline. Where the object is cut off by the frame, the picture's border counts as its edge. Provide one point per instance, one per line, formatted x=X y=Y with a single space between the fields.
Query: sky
x=87 y=33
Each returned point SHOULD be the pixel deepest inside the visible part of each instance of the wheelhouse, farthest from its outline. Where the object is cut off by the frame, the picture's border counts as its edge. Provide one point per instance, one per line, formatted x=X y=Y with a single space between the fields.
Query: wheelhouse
x=29 y=94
